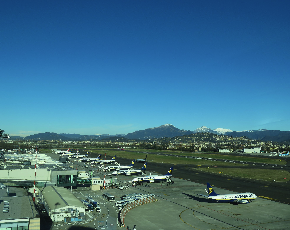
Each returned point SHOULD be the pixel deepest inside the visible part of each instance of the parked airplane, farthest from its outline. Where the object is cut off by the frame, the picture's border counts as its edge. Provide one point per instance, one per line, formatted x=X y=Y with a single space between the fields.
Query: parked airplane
x=142 y=160
x=113 y=160
x=242 y=198
x=129 y=172
x=89 y=159
x=77 y=155
x=98 y=160
x=119 y=167
x=154 y=178
x=284 y=154
x=67 y=154
x=62 y=152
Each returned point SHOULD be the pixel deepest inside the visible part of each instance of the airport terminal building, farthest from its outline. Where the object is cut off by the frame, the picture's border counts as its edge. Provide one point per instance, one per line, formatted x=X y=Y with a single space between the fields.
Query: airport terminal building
x=62 y=205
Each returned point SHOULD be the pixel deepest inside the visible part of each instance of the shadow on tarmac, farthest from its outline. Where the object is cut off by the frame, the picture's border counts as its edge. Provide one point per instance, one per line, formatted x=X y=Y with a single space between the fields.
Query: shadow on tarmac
x=199 y=199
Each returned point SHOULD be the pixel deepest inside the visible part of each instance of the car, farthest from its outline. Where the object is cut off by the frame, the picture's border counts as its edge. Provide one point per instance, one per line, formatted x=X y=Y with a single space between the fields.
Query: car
x=2 y=186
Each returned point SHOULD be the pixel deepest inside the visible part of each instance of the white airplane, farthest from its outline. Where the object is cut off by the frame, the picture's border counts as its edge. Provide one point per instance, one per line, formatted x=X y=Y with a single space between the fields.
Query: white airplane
x=62 y=152
x=98 y=160
x=67 y=154
x=242 y=198
x=154 y=178
x=129 y=172
x=142 y=160
x=113 y=160
x=119 y=167
x=77 y=155
x=87 y=159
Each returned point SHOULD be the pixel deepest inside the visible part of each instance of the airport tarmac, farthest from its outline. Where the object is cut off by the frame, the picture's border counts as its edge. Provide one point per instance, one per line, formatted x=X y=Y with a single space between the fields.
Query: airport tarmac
x=180 y=206
x=278 y=191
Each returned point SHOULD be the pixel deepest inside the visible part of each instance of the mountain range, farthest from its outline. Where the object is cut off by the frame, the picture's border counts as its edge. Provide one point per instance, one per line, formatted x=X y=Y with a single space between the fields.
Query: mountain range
x=168 y=130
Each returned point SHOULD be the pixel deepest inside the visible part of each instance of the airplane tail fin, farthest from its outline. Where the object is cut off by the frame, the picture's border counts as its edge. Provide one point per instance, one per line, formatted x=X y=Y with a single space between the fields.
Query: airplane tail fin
x=169 y=172
x=144 y=166
x=210 y=190
x=99 y=157
x=114 y=157
x=133 y=162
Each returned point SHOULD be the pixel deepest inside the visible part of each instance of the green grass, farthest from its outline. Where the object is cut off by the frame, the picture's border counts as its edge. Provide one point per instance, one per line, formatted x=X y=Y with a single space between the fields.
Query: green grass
x=44 y=150
x=217 y=167
x=159 y=158
x=140 y=153
x=256 y=174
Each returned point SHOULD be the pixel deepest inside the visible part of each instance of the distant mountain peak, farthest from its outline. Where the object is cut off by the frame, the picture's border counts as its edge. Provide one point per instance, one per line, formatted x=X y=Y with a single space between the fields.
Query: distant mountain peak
x=222 y=130
x=164 y=126
x=167 y=130
x=203 y=129
x=167 y=125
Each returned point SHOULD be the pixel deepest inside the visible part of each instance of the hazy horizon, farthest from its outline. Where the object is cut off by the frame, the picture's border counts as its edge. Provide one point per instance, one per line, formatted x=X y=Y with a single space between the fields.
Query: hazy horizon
x=131 y=132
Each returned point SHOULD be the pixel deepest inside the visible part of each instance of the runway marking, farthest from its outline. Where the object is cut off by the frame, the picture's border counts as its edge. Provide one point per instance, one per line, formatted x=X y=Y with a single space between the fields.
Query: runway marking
x=160 y=196
x=231 y=215
x=268 y=198
x=247 y=222
x=184 y=221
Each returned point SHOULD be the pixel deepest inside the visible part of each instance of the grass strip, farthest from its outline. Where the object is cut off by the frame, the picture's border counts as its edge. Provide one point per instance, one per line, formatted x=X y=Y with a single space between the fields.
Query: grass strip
x=256 y=174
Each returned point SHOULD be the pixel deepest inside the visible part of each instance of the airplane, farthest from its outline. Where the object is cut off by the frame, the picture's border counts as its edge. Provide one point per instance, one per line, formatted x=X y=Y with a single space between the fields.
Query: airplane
x=67 y=154
x=77 y=155
x=62 y=152
x=142 y=160
x=242 y=198
x=284 y=154
x=119 y=167
x=129 y=172
x=87 y=159
x=113 y=160
x=98 y=160
x=154 y=178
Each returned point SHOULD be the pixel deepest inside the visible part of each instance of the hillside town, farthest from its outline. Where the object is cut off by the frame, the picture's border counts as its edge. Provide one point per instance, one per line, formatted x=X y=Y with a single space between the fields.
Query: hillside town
x=198 y=142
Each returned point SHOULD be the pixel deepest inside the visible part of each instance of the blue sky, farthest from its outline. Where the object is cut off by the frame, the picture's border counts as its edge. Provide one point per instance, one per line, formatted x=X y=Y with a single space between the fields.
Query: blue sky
x=114 y=67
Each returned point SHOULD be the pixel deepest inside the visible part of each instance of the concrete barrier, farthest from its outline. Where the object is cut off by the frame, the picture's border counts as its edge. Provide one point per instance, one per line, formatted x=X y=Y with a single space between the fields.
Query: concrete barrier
x=132 y=205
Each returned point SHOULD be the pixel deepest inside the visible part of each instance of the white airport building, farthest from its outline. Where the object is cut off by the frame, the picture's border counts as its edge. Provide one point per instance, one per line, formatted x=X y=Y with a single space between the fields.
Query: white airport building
x=62 y=205
x=253 y=150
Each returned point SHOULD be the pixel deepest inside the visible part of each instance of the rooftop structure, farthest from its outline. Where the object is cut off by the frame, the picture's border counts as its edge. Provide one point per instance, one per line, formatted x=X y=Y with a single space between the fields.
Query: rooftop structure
x=20 y=212
x=62 y=205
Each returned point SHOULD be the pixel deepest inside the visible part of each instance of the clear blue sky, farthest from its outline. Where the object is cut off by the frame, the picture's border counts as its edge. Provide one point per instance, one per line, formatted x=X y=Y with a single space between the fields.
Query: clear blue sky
x=114 y=67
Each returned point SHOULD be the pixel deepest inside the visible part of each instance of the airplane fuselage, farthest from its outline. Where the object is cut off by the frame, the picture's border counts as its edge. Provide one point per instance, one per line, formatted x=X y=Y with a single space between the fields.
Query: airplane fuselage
x=127 y=172
x=240 y=197
x=152 y=178
x=117 y=167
